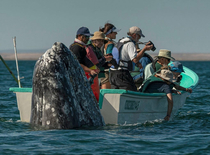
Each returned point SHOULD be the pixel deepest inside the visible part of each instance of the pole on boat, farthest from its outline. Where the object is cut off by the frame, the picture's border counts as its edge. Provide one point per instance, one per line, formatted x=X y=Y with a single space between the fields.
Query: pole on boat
x=14 y=42
x=8 y=69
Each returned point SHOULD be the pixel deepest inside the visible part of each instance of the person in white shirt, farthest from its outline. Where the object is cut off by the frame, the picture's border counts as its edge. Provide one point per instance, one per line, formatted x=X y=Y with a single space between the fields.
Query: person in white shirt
x=120 y=77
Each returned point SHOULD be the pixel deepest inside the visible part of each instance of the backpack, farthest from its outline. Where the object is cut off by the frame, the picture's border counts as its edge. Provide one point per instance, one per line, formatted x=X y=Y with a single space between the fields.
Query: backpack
x=116 y=55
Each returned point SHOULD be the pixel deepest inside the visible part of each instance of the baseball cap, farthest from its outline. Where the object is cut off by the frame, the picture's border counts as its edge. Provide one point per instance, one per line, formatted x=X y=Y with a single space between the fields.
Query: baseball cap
x=136 y=30
x=84 y=31
x=176 y=66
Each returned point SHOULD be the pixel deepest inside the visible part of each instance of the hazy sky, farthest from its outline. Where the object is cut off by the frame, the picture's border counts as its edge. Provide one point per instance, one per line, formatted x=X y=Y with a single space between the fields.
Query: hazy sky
x=182 y=26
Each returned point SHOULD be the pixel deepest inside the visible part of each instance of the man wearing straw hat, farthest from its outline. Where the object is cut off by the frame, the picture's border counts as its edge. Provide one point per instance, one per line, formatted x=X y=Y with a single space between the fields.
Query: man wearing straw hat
x=95 y=55
x=163 y=58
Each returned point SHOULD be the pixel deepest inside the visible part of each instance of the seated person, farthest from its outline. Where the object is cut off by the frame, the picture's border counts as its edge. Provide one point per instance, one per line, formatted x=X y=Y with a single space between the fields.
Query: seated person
x=176 y=68
x=163 y=82
x=163 y=58
x=137 y=74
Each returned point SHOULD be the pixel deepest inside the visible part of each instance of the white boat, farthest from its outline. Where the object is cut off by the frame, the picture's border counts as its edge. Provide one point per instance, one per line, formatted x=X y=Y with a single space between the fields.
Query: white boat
x=120 y=106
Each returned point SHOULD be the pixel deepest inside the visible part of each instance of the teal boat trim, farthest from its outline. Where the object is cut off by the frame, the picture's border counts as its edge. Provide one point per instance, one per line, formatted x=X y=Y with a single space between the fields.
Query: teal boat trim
x=16 y=89
x=190 y=78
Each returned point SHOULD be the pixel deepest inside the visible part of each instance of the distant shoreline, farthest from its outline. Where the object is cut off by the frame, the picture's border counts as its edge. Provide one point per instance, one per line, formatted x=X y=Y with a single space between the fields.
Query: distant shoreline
x=177 y=56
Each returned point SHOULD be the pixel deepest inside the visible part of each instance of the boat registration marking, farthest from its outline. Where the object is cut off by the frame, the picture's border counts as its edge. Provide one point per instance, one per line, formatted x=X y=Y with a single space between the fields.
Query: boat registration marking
x=131 y=105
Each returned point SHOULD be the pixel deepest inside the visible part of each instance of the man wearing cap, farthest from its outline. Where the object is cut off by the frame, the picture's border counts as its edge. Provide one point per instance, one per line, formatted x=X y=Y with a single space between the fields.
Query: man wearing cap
x=163 y=58
x=78 y=48
x=120 y=77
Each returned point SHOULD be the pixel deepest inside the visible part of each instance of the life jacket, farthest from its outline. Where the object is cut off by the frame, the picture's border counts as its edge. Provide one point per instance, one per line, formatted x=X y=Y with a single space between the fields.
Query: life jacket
x=116 y=55
x=86 y=61
x=100 y=58
x=96 y=50
x=151 y=80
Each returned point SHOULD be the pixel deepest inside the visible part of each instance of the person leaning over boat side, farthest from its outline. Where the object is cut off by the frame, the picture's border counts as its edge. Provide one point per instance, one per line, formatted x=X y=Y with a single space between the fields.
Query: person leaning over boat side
x=120 y=77
x=110 y=31
x=163 y=58
x=78 y=48
x=162 y=82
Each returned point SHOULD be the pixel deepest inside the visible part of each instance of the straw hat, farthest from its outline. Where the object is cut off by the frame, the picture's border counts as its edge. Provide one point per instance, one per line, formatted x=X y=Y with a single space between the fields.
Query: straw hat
x=98 y=35
x=165 y=54
x=167 y=75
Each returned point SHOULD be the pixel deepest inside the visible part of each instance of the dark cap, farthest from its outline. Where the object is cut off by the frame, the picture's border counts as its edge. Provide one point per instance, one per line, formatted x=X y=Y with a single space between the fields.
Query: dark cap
x=84 y=31
x=176 y=66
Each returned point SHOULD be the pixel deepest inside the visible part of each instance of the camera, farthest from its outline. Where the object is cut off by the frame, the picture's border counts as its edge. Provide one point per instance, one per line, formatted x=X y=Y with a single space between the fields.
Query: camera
x=150 y=43
x=153 y=48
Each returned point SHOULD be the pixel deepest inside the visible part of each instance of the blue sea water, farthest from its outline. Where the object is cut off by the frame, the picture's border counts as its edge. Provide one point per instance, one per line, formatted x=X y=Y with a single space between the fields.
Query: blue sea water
x=187 y=133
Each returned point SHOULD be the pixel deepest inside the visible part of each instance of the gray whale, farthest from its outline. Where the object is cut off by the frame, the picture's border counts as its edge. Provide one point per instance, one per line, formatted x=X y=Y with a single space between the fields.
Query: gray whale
x=62 y=97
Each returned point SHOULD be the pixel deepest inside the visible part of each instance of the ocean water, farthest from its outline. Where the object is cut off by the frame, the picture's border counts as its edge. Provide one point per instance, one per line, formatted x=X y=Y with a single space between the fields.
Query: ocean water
x=187 y=133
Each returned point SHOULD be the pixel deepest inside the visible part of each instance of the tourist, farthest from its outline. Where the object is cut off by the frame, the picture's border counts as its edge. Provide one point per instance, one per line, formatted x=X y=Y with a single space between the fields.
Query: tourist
x=110 y=31
x=163 y=58
x=95 y=54
x=120 y=77
x=78 y=48
x=176 y=68
x=94 y=46
x=138 y=74
x=163 y=82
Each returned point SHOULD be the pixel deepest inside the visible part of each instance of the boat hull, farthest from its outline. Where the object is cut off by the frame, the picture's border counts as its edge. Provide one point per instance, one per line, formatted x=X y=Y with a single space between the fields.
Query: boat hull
x=137 y=108
x=119 y=106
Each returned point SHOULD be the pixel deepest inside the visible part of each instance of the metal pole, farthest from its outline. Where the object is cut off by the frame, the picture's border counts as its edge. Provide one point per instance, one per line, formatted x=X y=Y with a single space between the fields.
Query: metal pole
x=8 y=69
x=14 y=42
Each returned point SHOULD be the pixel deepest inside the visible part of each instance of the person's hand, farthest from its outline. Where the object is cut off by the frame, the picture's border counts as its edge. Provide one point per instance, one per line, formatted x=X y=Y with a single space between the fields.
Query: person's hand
x=108 y=57
x=167 y=118
x=176 y=92
x=97 y=70
x=148 y=46
x=139 y=65
x=189 y=90
x=93 y=72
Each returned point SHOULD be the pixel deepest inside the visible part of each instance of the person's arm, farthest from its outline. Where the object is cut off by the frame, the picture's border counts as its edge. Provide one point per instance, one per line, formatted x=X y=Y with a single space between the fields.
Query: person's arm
x=176 y=92
x=178 y=87
x=140 y=54
x=86 y=69
x=170 y=106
